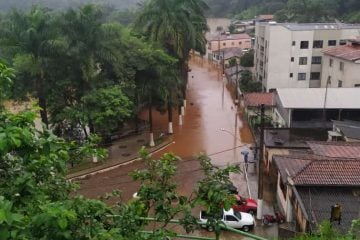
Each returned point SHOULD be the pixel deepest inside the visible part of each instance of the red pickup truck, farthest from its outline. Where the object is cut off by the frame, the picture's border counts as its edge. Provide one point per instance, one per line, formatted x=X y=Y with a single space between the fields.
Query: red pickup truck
x=247 y=205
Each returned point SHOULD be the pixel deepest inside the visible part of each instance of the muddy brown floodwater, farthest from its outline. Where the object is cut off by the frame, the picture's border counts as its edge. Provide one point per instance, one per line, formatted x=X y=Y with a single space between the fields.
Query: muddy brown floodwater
x=211 y=125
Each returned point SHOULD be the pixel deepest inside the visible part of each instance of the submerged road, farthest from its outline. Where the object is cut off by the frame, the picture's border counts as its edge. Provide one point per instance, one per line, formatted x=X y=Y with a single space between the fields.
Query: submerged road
x=211 y=125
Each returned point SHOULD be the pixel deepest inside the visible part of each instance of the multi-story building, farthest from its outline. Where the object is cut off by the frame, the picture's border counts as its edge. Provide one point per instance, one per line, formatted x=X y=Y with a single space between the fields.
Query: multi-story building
x=341 y=66
x=241 y=40
x=289 y=55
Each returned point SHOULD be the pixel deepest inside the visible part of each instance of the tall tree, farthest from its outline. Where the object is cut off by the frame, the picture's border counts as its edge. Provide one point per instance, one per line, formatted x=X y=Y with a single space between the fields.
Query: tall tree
x=30 y=40
x=178 y=26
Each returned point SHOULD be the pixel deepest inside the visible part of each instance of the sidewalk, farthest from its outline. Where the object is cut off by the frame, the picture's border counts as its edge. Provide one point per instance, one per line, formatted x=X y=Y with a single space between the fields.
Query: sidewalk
x=120 y=152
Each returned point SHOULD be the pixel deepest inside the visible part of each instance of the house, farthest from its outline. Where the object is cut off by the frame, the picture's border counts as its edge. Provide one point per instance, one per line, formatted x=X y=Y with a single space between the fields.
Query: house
x=341 y=65
x=348 y=130
x=252 y=102
x=285 y=141
x=289 y=55
x=241 y=40
x=264 y=18
x=315 y=107
x=335 y=149
x=227 y=54
x=309 y=185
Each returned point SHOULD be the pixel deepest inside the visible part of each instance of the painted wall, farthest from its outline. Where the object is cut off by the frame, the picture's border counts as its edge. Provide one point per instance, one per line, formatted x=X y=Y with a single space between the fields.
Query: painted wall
x=350 y=76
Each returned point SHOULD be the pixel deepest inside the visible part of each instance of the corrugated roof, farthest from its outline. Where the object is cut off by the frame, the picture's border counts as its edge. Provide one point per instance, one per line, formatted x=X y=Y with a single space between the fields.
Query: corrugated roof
x=336 y=149
x=350 y=129
x=347 y=52
x=318 y=26
x=256 y=99
x=317 y=202
x=313 y=98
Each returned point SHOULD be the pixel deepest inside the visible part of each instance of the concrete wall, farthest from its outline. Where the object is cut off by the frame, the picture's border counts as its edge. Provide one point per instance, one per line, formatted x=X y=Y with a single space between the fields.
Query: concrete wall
x=240 y=43
x=274 y=50
x=350 y=76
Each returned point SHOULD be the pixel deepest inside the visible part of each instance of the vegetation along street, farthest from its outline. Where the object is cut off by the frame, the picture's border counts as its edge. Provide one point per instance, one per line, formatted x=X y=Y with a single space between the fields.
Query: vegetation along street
x=148 y=120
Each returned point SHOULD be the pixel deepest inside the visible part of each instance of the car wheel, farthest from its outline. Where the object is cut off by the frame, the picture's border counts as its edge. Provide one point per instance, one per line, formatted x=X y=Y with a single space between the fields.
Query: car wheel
x=265 y=221
x=246 y=228
x=210 y=228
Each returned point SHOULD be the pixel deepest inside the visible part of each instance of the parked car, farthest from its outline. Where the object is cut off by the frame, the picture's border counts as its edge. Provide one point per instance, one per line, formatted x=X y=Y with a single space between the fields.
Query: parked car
x=247 y=205
x=230 y=218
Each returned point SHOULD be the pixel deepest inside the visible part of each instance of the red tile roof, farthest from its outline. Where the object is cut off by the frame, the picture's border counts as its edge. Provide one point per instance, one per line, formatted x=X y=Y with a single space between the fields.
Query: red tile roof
x=318 y=170
x=265 y=17
x=336 y=149
x=329 y=172
x=347 y=52
x=255 y=99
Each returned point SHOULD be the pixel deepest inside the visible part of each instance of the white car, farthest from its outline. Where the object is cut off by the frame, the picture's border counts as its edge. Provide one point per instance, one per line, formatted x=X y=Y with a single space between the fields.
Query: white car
x=244 y=221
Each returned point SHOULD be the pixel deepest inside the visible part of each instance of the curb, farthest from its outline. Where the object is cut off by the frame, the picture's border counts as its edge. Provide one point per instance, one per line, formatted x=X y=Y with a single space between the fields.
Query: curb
x=116 y=165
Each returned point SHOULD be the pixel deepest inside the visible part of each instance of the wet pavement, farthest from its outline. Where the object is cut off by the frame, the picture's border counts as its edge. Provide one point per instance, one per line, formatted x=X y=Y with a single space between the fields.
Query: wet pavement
x=213 y=125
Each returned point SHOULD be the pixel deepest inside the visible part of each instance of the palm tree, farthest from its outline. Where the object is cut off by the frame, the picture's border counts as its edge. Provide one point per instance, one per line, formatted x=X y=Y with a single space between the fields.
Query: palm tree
x=178 y=25
x=93 y=52
x=30 y=40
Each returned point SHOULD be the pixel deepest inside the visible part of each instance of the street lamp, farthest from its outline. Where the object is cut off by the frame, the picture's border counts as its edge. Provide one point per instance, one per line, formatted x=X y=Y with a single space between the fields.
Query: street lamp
x=245 y=153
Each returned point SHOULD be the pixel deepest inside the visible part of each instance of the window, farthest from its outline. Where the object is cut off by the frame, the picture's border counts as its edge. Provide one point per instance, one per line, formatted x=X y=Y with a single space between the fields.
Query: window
x=302 y=60
x=341 y=66
x=230 y=218
x=339 y=83
x=293 y=43
x=316 y=60
x=318 y=44
x=315 y=76
x=291 y=75
x=342 y=42
x=232 y=43
x=356 y=85
x=224 y=44
x=304 y=44
x=332 y=43
x=301 y=76
x=292 y=59
x=330 y=62
x=257 y=44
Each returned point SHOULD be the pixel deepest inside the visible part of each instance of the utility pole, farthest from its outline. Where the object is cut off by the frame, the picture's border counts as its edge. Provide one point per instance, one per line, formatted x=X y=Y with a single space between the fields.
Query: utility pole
x=236 y=85
x=261 y=163
x=223 y=63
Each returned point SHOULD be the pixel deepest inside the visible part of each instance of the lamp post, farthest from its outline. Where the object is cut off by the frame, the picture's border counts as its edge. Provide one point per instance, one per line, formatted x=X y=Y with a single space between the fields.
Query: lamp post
x=245 y=153
x=236 y=85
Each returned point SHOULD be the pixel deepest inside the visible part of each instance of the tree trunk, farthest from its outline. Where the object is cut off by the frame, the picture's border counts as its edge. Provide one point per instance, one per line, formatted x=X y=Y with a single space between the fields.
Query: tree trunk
x=151 y=142
x=91 y=126
x=170 y=129
x=42 y=100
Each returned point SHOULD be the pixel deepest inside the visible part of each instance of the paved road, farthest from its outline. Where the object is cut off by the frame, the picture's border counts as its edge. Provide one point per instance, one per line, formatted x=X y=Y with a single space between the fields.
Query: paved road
x=211 y=125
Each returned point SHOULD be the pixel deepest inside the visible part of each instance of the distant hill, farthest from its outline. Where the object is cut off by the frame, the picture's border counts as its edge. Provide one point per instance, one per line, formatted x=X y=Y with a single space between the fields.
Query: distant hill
x=6 y=5
x=288 y=10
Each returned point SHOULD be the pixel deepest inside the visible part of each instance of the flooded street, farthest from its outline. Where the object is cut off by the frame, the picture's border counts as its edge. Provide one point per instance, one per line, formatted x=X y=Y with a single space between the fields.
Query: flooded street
x=211 y=125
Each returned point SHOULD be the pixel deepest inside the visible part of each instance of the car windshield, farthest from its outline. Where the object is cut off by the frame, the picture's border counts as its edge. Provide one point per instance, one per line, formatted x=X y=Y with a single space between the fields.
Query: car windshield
x=238 y=215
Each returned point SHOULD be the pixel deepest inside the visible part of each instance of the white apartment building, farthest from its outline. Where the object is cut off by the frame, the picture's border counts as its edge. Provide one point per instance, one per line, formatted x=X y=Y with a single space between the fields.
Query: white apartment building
x=341 y=66
x=289 y=55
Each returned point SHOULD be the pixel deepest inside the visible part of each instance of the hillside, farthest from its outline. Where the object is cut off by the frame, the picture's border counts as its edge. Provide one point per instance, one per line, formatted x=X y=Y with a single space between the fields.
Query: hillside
x=288 y=10
x=6 y=5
